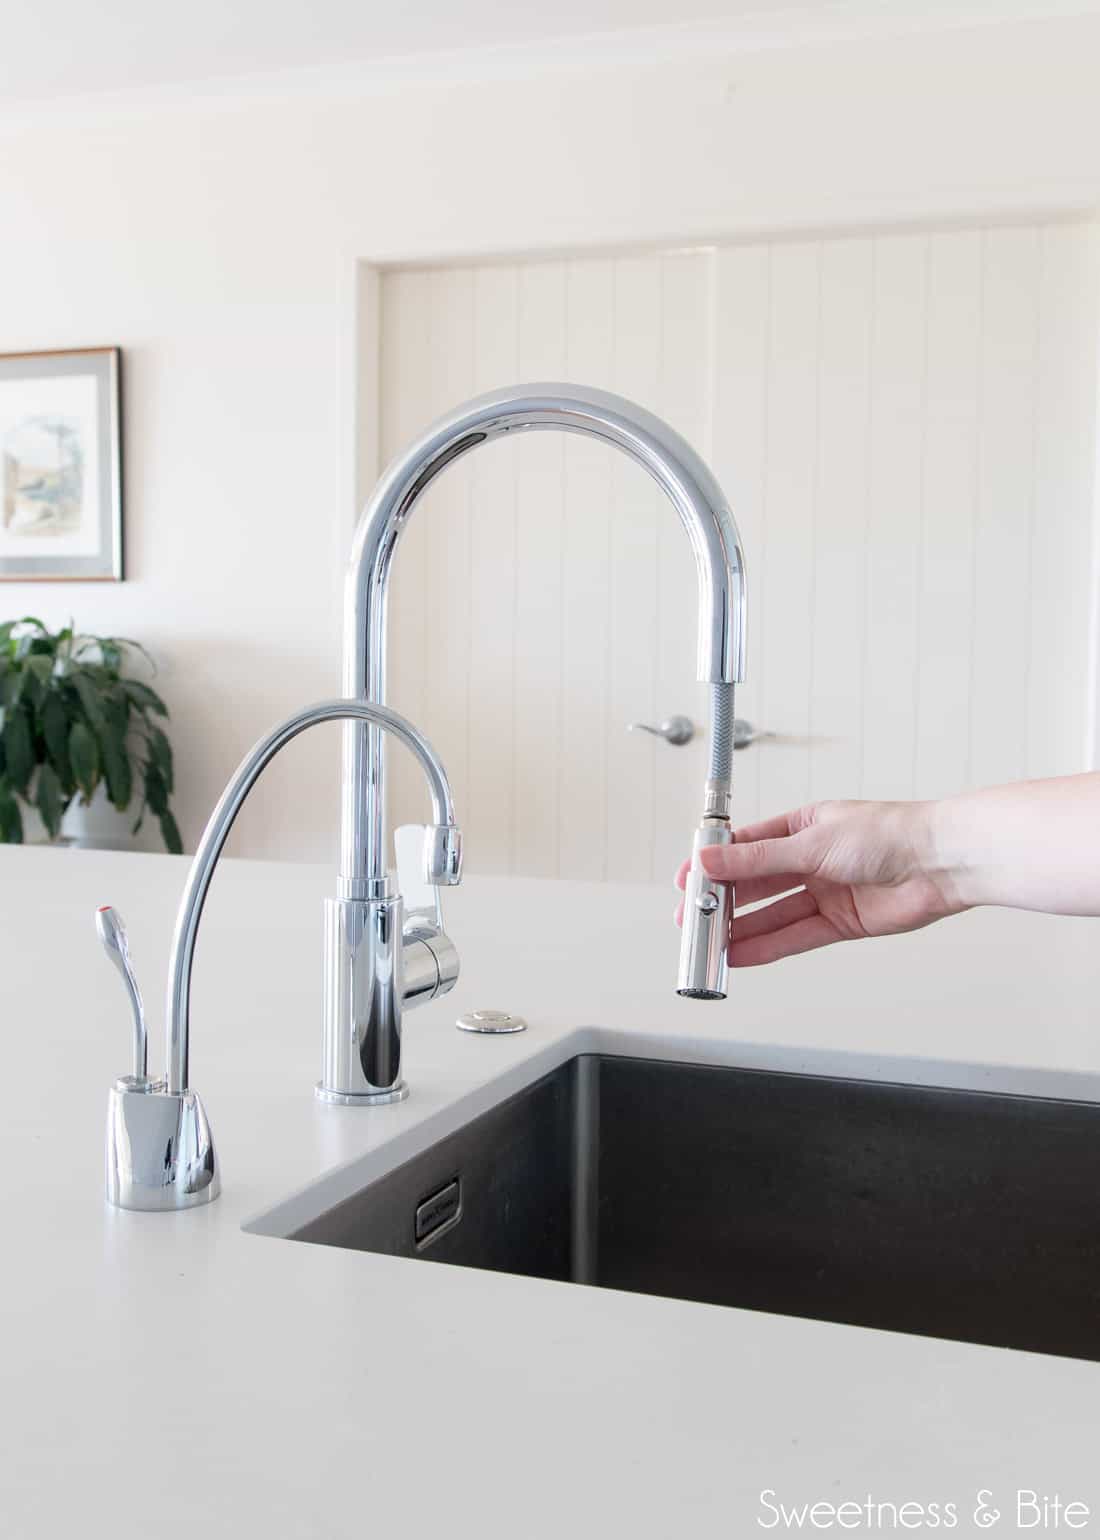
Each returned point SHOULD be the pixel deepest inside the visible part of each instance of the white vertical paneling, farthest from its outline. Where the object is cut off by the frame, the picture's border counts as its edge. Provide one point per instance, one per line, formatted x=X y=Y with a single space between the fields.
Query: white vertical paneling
x=895 y=449
x=1057 y=705
x=905 y=427
x=490 y=810
x=686 y=330
x=368 y=379
x=949 y=485
x=787 y=589
x=1006 y=495
x=405 y=396
x=838 y=640
x=540 y=620
x=446 y=516
x=586 y=576
x=739 y=457
x=633 y=586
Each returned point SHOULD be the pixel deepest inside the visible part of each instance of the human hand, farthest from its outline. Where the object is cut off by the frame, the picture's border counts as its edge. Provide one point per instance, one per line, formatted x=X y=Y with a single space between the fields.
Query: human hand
x=834 y=871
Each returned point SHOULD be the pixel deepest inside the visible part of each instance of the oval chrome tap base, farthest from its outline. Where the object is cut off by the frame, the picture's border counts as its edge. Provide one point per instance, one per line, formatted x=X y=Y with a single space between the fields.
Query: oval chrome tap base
x=160 y=1151
x=383 y=1098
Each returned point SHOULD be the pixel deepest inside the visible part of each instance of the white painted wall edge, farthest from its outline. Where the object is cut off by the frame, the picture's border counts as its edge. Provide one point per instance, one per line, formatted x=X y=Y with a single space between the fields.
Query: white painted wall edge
x=1092 y=742
x=843 y=21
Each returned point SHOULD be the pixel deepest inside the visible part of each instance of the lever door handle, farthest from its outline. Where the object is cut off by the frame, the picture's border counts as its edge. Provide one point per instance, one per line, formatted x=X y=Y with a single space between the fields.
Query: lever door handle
x=745 y=734
x=676 y=730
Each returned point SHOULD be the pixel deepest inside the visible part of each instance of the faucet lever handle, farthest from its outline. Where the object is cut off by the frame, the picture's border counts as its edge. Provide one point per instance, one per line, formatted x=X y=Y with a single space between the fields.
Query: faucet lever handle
x=412 y=844
x=112 y=937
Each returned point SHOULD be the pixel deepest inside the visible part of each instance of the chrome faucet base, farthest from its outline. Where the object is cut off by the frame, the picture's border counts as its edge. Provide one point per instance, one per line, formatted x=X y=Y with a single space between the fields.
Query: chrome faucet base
x=160 y=1152
x=361 y=1007
x=381 y=1098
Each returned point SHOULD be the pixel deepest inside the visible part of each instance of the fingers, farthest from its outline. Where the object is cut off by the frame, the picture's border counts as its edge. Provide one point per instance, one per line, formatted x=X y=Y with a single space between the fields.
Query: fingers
x=773 y=828
x=761 y=922
x=793 y=857
x=803 y=936
x=758 y=888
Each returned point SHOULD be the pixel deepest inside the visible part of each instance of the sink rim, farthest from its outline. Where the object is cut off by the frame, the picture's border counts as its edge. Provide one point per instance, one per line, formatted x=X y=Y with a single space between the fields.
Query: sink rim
x=523 y=1066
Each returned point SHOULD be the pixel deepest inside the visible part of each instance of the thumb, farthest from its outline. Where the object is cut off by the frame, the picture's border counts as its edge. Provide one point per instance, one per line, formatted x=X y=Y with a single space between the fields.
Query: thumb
x=795 y=855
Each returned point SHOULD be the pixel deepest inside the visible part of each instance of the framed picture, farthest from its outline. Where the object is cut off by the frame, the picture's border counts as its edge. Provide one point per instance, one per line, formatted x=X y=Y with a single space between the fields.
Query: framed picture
x=60 y=466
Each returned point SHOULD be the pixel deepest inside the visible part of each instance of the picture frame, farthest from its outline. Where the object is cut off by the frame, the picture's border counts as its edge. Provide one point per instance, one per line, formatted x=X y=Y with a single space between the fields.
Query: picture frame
x=61 y=466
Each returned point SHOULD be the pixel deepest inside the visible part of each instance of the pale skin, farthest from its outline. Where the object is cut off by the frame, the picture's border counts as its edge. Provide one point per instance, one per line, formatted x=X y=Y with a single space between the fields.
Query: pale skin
x=846 y=871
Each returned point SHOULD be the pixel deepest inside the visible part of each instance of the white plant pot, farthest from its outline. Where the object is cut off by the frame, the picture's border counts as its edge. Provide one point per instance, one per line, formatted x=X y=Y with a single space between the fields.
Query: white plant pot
x=95 y=826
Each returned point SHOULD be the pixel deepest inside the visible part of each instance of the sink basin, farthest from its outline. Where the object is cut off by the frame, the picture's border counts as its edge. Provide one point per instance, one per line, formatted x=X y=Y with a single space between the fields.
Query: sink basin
x=948 y=1213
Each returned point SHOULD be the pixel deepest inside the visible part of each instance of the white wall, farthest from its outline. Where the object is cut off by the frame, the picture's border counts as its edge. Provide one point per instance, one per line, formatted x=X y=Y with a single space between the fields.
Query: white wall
x=217 y=244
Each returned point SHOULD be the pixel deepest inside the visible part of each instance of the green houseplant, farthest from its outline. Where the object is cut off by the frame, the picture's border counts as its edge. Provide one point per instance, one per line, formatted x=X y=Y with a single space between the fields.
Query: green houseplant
x=71 y=718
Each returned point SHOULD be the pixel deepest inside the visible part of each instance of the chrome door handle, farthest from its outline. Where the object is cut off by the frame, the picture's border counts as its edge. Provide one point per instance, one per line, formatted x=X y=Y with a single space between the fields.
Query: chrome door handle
x=745 y=734
x=675 y=730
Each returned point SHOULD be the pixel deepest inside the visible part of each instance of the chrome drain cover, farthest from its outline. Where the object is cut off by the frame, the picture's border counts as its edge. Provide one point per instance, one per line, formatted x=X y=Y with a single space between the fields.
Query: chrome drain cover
x=491 y=1021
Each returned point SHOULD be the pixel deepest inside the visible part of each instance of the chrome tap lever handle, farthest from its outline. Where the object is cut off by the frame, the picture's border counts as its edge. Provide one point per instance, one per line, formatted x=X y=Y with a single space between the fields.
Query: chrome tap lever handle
x=429 y=856
x=430 y=959
x=676 y=730
x=112 y=936
x=423 y=910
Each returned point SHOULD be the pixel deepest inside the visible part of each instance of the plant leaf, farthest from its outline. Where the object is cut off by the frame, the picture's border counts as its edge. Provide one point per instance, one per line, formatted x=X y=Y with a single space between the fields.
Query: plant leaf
x=11 y=819
x=40 y=664
x=128 y=641
x=116 y=710
x=170 y=833
x=18 y=748
x=26 y=689
x=161 y=751
x=53 y=721
x=47 y=799
x=90 y=695
x=84 y=758
x=156 y=793
x=116 y=767
x=111 y=654
x=144 y=698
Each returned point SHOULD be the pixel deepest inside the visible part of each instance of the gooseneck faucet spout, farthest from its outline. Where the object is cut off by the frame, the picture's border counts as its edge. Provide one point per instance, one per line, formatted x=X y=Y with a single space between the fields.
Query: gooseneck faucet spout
x=160 y=1151
x=443 y=857
x=673 y=464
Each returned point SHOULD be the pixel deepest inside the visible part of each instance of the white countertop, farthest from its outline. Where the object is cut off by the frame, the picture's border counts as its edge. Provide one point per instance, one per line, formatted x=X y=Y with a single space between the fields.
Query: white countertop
x=171 y=1374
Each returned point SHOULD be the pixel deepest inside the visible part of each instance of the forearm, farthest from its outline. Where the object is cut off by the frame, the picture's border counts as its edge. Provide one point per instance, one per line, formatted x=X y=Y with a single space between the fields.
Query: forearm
x=1032 y=845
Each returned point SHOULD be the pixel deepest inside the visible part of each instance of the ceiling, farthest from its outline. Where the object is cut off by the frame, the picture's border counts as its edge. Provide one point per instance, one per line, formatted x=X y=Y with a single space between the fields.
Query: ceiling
x=69 y=48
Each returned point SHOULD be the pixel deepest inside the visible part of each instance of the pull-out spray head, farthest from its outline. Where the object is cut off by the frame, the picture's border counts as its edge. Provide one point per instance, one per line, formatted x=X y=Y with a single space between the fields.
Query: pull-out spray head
x=708 y=908
x=708 y=905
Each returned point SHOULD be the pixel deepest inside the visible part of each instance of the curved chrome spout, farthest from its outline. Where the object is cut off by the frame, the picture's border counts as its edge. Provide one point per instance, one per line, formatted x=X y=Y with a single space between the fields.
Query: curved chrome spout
x=669 y=459
x=443 y=848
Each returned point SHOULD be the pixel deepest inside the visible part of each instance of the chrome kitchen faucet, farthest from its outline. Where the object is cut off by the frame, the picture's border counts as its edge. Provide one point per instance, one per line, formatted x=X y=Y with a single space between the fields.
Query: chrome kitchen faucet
x=359 y=963
x=382 y=954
